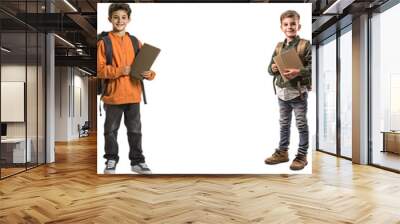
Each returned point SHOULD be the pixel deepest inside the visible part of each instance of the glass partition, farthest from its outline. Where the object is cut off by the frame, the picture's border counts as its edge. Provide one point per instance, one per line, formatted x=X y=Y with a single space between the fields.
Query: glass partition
x=14 y=153
x=346 y=92
x=22 y=88
x=41 y=110
x=385 y=90
x=327 y=95
x=31 y=98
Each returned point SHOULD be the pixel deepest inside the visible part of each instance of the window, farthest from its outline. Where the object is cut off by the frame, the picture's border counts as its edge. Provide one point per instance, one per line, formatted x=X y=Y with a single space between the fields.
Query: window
x=385 y=89
x=346 y=92
x=327 y=95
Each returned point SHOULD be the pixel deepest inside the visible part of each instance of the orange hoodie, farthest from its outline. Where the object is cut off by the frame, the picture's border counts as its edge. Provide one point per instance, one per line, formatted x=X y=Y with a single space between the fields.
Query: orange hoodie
x=121 y=89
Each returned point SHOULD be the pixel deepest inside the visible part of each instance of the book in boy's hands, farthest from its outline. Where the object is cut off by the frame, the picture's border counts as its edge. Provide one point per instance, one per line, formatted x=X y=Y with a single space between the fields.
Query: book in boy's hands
x=144 y=60
x=287 y=60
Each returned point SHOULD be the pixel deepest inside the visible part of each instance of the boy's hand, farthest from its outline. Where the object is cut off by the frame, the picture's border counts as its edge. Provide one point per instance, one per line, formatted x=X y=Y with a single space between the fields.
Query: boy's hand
x=148 y=74
x=274 y=68
x=126 y=70
x=291 y=73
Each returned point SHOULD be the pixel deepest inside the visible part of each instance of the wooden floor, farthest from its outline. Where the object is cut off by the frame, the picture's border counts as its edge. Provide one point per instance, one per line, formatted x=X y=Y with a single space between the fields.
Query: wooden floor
x=10 y=171
x=70 y=191
x=5 y=172
x=387 y=159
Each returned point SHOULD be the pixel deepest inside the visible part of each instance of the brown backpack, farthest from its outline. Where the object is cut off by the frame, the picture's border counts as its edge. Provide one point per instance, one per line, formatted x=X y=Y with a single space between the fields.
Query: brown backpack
x=300 y=49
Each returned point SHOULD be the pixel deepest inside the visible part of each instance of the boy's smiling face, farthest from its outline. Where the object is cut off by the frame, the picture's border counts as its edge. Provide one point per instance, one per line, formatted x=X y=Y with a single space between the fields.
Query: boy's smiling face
x=290 y=26
x=119 y=20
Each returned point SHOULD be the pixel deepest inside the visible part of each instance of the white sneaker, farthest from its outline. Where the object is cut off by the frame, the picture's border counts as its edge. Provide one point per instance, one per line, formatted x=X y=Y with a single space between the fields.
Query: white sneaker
x=141 y=168
x=111 y=165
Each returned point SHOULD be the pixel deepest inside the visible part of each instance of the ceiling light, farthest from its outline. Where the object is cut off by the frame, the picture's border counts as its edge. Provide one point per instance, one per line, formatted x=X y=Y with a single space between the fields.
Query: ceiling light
x=338 y=6
x=84 y=71
x=70 y=5
x=5 y=50
x=64 y=40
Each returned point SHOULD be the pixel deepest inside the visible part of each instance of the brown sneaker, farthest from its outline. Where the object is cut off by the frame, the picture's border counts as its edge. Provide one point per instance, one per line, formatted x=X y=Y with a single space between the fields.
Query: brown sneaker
x=299 y=162
x=279 y=156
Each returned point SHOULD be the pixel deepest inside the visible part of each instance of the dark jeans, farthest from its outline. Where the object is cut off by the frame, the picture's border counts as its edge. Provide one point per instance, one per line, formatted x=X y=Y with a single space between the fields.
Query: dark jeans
x=299 y=106
x=133 y=125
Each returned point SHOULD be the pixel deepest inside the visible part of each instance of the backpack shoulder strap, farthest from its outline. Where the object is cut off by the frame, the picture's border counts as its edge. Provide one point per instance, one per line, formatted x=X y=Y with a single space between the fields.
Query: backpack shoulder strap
x=301 y=50
x=101 y=35
x=301 y=47
x=108 y=46
x=135 y=44
x=278 y=48
x=102 y=83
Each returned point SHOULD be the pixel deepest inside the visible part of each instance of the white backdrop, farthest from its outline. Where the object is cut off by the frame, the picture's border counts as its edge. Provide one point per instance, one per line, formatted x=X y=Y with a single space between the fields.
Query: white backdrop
x=211 y=108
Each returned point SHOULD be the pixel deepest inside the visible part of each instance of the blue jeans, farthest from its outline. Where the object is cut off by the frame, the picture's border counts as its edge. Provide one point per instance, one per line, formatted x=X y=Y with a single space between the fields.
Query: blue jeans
x=299 y=106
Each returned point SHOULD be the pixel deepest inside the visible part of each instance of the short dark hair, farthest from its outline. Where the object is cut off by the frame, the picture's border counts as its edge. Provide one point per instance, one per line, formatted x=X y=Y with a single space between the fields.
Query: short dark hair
x=290 y=14
x=119 y=6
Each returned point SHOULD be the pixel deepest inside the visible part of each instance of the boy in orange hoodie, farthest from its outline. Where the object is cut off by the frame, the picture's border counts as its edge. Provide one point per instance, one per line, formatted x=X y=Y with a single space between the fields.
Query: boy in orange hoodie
x=122 y=93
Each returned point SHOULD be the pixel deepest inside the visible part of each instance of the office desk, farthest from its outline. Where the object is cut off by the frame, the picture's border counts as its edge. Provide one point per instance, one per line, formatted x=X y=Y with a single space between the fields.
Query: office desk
x=13 y=150
x=391 y=141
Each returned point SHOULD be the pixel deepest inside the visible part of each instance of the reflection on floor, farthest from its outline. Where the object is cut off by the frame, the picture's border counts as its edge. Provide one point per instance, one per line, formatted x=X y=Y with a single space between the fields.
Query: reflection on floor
x=70 y=191
x=10 y=169
x=387 y=159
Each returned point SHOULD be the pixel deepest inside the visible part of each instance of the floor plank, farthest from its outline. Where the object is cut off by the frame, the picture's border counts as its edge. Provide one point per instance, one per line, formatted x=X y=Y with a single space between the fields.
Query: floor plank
x=70 y=191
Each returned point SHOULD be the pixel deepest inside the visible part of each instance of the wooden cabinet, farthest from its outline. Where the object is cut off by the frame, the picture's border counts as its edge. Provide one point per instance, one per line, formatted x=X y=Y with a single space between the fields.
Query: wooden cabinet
x=391 y=142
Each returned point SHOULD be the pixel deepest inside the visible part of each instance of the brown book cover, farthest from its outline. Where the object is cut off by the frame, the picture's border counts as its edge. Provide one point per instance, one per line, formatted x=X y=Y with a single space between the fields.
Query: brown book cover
x=286 y=60
x=144 y=60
